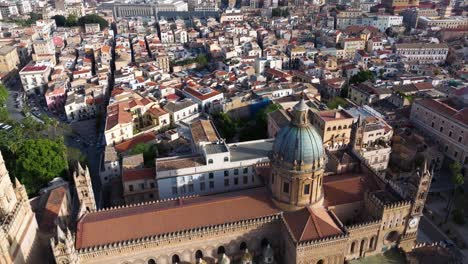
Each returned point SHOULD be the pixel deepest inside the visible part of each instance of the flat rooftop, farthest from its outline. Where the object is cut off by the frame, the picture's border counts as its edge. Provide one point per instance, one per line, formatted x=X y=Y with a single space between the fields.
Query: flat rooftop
x=176 y=163
x=250 y=150
x=216 y=148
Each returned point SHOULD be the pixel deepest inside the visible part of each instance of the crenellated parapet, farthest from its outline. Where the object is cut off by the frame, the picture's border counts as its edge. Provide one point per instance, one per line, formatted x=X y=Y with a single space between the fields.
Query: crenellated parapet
x=117 y=207
x=132 y=245
x=363 y=225
x=322 y=242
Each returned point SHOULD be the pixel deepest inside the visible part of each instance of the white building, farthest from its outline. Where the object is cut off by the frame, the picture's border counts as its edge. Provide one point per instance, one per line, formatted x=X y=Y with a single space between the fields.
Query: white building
x=34 y=78
x=181 y=110
x=206 y=98
x=110 y=165
x=422 y=52
x=221 y=168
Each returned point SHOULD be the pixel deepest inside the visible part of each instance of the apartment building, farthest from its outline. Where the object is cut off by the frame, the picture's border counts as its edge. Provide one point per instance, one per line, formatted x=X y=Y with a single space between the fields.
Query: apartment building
x=181 y=110
x=422 y=52
x=351 y=45
x=371 y=137
x=366 y=93
x=34 y=78
x=9 y=59
x=447 y=125
x=334 y=126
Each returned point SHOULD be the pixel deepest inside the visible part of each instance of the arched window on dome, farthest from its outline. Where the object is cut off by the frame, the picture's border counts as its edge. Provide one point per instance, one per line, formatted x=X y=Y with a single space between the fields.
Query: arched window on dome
x=221 y=250
x=198 y=254
x=243 y=246
x=175 y=259
x=265 y=242
x=151 y=261
x=334 y=127
x=339 y=127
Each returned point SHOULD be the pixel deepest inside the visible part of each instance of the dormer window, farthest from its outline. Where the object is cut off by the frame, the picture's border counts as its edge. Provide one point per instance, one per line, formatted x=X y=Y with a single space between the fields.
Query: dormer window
x=210 y=161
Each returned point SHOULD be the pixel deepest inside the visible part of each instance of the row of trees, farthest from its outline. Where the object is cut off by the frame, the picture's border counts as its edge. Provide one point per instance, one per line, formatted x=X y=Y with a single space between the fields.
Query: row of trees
x=73 y=20
x=34 y=152
x=200 y=60
x=244 y=129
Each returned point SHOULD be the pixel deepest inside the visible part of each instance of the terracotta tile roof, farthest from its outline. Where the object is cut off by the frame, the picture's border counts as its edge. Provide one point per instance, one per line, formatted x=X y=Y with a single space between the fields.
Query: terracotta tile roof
x=157 y=111
x=117 y=115
x=52 y=208
x=310 y=224
x=445 y=110
x=346 y=188
x=126 y=145
x=139 y=174
x=201 y=96
x=30 y=68
x=330 y=115
x=203 y=131
x=99 y=228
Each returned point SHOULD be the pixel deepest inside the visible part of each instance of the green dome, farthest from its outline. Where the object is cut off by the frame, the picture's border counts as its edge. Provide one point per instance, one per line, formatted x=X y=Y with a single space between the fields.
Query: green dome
x=298 y=143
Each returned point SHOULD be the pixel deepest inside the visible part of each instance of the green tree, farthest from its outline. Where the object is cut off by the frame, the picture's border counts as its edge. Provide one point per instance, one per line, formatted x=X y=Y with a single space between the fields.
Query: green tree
x=457 y=194
x=74 y=155
x=361 y=77
x=93 y=18
x=335 y=102
x=149 y=152
x=457 y=176
x=72 y=21
x=60 y=20
x=225 y=125
x=39 y=161
x=4 y=114
x=3 y=94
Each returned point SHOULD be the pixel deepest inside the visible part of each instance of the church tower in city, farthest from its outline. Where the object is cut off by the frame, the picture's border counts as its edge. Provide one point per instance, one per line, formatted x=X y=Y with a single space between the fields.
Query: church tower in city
x=84 y=190
x=298 y=162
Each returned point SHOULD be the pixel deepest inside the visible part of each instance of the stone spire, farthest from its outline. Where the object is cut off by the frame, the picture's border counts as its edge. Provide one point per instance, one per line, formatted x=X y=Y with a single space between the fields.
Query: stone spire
x=84 y=189
x=63 y=247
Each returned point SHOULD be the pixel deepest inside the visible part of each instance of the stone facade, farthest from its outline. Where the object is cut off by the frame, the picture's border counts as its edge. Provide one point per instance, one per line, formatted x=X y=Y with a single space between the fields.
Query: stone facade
x=19 y=226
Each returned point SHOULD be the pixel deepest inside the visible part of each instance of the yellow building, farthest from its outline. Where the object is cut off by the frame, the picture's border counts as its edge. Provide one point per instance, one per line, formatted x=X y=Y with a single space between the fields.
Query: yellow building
x=334 y=127
x=9 y=59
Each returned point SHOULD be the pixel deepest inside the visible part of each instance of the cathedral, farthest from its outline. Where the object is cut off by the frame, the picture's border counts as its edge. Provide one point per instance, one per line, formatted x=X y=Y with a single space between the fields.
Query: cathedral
x=302 y=214
x=19 y=228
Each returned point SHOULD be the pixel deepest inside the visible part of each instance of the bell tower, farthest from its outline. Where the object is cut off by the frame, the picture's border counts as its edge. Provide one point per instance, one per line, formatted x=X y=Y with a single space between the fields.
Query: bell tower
x=297 y=163
x=84 y=189
x=63 y=247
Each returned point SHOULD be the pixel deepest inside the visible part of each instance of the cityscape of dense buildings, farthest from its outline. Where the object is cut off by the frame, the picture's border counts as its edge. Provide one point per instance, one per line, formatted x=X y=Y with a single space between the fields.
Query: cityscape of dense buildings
x=253 y=131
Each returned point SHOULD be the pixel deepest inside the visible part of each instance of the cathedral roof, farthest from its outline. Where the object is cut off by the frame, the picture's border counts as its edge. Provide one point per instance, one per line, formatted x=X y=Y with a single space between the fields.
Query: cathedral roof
x=99 y=228
x=311 y=223
x=346 y=188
